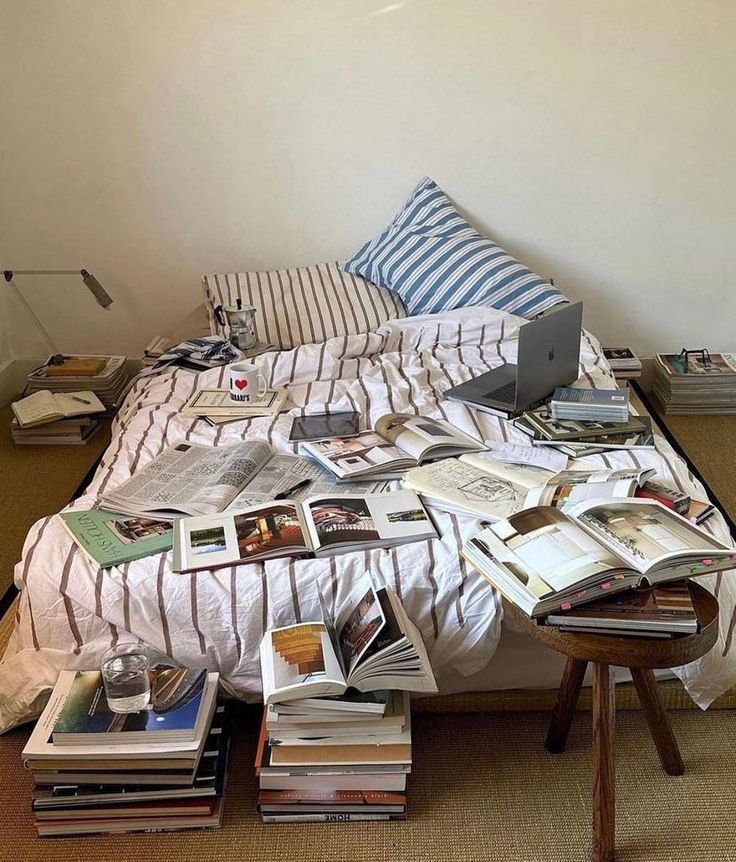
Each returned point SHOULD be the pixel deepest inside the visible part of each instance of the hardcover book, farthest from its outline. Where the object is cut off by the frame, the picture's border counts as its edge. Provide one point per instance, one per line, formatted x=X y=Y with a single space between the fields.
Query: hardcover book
x=111 y=539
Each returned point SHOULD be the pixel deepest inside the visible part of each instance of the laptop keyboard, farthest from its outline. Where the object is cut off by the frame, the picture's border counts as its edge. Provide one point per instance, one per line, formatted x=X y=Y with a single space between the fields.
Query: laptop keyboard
x=503 y=393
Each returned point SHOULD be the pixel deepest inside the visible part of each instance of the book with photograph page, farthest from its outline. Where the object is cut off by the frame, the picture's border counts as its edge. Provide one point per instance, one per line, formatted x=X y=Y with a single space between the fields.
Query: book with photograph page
x=398 y=442
x=545 y=560
x=481 y=486
x=111 y=538
x=373 y=645
x=189 y=479
x=87 y=717
x=666 y=609
x=282 y=528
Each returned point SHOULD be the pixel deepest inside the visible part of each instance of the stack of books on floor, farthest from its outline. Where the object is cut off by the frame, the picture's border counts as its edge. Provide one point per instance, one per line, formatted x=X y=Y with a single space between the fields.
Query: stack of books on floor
x=592 y=405
x=699 y=382
x=579 y=437
x=611 y=566
x=57 y=419
x=335 y=759
x=624 y=363
x=106 y=376
x=336 y=735
x=163 y=768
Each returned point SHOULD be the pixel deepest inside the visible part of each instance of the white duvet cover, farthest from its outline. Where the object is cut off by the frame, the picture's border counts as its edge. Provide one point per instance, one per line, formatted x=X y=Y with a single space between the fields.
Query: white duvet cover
x=70 y=612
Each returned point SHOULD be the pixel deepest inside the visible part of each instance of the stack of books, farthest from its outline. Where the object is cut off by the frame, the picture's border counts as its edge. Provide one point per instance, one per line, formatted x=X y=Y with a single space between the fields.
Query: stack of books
x=604 y=552
x=97 y=771
x=697 y=383
x=56 y=419
x=106 y=376
x=336 y=735
x=335 y=759
x=579 y=437
x=217 y=408
x=590 y=405
x=624 y=363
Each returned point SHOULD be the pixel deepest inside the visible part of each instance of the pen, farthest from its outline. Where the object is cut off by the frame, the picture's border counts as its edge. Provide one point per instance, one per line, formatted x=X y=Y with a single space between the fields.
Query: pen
x=80 y=400
x=289 y=491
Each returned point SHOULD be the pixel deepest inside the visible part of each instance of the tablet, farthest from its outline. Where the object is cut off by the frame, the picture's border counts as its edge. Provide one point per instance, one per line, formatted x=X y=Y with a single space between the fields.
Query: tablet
x=322 y=425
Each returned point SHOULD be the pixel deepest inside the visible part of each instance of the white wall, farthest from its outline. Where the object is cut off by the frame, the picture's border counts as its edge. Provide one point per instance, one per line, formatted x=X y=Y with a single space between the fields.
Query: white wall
x=152 y=140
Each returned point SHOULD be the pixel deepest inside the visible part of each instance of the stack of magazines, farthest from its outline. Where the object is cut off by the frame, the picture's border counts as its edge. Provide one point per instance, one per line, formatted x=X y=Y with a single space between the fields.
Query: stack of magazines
x=106 y=376
x=595 y=405
x=624 y=363
x=697 y=382
x=335 y=741
x=97 y=771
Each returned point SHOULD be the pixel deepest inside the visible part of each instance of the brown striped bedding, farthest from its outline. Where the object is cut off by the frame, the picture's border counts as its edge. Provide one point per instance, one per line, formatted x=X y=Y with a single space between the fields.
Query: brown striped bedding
x=70 y=612
x=305 y=305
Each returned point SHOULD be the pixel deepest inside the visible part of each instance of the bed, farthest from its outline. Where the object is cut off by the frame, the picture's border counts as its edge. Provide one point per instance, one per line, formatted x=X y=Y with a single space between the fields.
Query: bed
x=70 y=612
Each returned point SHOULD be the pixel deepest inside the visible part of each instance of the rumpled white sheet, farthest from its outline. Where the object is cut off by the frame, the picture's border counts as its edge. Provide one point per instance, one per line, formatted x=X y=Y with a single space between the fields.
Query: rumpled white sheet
x=70 y=612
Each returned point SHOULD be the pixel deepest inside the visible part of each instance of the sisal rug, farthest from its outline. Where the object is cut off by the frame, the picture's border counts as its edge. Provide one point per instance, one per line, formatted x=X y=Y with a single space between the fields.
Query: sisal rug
x=483 y=788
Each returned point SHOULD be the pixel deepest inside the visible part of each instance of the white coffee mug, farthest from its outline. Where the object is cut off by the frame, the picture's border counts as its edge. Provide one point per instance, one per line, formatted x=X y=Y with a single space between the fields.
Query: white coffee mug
x=246 y=384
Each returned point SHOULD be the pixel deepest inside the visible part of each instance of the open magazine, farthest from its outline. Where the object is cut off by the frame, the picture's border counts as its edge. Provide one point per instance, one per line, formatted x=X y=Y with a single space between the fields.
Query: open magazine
x=399 y=441
x=545 y=560
x=479 y=485
x=282 y=528
x=188 y=479
x=373 y=646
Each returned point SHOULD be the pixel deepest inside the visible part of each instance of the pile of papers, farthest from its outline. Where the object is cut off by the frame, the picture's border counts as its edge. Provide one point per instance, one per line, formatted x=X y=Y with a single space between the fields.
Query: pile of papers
x=106 y=376
x=700 y=384
x=592 y=405
x=335 y=759
x=624 y=363
x=97 y=771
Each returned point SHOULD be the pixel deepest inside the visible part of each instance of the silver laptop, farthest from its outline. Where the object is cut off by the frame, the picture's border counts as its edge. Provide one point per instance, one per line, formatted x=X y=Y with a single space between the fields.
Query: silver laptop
x=548 y=356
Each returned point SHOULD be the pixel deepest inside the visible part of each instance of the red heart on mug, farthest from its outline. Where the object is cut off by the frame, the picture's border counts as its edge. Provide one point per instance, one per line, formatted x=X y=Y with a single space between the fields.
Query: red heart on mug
x=240 y=384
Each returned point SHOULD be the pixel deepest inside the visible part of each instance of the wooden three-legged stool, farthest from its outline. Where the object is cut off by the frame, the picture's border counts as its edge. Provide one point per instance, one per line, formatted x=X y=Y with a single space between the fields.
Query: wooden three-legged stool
x=640 y=656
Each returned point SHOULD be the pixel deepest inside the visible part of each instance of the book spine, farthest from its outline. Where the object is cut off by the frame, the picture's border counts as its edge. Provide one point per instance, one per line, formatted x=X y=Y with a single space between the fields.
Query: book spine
x=328 y=818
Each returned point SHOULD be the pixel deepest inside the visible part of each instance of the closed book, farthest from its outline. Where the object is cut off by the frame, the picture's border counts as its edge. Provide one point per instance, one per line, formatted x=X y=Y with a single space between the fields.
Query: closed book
x=111 y=539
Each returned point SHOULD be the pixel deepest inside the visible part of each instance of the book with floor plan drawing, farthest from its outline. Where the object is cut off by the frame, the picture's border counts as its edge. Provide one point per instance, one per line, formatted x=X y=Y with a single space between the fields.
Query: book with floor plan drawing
x=372 y=646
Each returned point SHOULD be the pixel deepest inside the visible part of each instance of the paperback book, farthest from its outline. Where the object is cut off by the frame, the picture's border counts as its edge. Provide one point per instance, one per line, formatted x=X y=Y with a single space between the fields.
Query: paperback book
x=373 y=646
x=321 y=526
x=216 y=403
x=544 y=560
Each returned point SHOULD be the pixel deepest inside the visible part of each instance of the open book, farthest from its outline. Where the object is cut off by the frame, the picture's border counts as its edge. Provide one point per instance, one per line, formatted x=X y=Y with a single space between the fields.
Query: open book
x=374 y=645
x=198 y=480
x=44 y=406
x=321 y=525
x=545 y=560
x=399 y=441
x=481 y=486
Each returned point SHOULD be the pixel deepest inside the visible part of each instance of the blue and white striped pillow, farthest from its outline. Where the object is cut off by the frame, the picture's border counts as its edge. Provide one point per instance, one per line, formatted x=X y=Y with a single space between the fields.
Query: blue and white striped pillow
x=436 y=261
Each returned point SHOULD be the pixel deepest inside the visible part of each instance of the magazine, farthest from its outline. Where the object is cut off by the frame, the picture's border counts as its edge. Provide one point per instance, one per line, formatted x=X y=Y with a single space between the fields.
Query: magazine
x=483 y=487
x=189 y=479
x=399 y=441
x=282 y=528
x=372 y=646
x=544 y=560
x=111 y=538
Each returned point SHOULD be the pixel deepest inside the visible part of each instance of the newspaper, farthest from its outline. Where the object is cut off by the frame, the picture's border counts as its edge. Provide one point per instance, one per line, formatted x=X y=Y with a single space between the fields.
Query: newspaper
x=188 y=479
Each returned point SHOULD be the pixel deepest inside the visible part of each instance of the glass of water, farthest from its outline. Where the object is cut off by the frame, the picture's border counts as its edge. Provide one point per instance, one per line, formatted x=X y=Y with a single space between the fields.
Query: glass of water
x=126 y=677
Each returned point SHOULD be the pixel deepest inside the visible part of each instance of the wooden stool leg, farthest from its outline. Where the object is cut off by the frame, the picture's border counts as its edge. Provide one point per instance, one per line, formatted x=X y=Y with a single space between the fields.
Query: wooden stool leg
x=567 y=698
x=604 y=776
x=658 y=721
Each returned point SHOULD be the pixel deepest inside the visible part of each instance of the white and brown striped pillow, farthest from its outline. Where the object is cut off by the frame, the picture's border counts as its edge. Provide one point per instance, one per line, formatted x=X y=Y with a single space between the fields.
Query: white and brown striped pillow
x=305 y=305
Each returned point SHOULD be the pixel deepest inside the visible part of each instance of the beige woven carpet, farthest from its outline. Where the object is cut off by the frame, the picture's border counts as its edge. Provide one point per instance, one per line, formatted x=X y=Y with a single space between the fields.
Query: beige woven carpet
x=36 y=481
x=483 y=788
